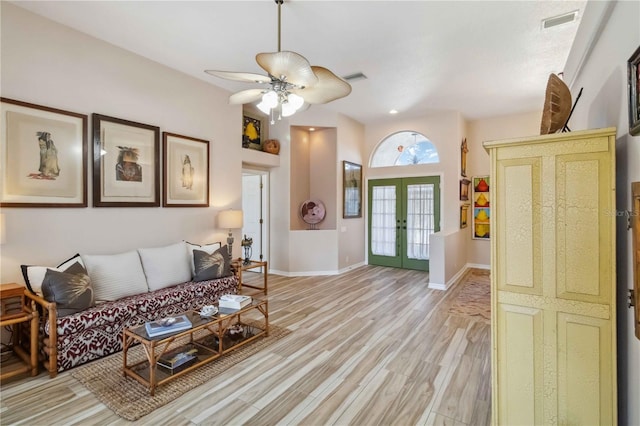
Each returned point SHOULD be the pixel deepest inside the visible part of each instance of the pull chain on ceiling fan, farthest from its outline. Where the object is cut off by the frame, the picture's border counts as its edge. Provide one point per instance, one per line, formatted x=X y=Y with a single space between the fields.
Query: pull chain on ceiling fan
x=291 y=82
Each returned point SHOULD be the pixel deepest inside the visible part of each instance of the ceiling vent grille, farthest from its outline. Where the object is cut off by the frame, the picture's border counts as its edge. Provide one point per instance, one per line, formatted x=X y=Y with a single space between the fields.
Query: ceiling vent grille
x=355 y=77
x=559 y=20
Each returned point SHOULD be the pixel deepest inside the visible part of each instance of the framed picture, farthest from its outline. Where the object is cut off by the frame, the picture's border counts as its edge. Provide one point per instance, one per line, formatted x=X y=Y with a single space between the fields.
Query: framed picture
x=481 y=214
x=464 y=215
x=44 y=156
x=185 y=164
x=252 y=131
x=463 y=157
x=633 y=73
x=635 y=246
x=464 y=189
x=352 y=195
x=126 y=163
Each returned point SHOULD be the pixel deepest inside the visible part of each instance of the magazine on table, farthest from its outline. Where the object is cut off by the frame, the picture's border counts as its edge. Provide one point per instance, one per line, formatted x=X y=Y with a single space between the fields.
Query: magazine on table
x=167 y=325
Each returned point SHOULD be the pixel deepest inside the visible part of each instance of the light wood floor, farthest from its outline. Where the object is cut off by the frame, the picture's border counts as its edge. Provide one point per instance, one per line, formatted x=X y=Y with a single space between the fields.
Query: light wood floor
x=373 y=346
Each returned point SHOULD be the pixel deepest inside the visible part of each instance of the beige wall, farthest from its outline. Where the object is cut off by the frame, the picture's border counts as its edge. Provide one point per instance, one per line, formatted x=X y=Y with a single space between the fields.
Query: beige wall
x=300 y=174
x=322 y=168
x=351 y=232
x=511 y=126
x=606 y=39
x=49 y=64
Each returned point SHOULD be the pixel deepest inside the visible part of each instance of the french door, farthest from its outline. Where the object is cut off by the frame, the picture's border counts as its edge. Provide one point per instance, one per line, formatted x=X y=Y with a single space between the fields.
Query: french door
x=403 y=213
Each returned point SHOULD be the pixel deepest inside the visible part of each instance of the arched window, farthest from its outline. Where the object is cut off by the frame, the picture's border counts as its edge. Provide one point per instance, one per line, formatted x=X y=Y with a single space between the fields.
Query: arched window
x=404 y=148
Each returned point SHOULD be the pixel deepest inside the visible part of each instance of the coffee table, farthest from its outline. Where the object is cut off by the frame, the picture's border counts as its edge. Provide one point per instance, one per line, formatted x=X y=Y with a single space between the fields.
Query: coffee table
x=208 y=334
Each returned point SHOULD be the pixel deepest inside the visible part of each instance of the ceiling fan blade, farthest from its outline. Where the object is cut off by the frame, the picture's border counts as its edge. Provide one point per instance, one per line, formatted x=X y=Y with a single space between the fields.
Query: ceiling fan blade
x=247 y=77
x=246 y=96
x=288 y=66
x=329 y=88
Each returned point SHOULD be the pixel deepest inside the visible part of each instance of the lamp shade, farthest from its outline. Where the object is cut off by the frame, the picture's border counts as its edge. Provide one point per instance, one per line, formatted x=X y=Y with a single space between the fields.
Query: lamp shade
x=230 y=219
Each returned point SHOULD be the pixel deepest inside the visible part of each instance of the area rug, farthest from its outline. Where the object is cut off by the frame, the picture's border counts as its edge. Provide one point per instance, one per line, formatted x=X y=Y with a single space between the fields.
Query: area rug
x=474 y=298
x=130 y=399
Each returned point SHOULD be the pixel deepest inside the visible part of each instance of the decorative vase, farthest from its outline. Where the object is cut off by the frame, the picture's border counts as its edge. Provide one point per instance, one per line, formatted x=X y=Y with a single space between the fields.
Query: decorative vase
x=272 y=146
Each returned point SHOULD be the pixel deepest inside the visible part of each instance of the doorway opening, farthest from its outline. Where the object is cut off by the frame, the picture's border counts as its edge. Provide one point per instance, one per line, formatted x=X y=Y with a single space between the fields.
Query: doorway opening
x=255 y=196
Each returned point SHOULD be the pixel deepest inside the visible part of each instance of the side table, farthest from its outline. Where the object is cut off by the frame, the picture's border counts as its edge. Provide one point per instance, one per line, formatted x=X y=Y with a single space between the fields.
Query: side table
x=241 y=266
x=17 y=314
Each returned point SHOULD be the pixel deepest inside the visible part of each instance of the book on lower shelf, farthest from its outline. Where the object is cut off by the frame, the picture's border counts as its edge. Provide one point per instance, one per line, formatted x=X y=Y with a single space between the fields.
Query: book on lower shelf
x=167 y=326
x=179 y=358
x=234 y=301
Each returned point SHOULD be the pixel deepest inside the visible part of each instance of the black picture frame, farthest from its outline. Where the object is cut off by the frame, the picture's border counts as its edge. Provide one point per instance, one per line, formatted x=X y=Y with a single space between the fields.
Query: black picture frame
x=54 y=137
x=352 y=190
x=633 y=76
x=185 y=171
x=126 y=163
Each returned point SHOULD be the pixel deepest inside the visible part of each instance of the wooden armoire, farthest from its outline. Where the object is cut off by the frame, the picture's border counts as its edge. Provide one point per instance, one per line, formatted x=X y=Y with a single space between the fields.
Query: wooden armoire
x=553 y=288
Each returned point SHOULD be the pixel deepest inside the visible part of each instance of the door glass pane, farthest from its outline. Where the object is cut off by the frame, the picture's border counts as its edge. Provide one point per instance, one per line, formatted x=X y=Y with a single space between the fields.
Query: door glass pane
x=383 y=220
x=420 y=220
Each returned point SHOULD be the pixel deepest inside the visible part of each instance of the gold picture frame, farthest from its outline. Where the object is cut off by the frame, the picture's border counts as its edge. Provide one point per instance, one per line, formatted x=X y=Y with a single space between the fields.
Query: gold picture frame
x=44 y=156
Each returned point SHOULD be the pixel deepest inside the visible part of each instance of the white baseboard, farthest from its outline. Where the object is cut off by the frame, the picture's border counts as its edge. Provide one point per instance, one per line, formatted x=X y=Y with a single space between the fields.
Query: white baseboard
x=478 y=266
x=457 y=276
x=315 y=273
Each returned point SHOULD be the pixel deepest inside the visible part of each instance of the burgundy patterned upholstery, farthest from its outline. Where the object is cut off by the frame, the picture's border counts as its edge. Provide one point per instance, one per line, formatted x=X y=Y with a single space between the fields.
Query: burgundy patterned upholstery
x=97 y=331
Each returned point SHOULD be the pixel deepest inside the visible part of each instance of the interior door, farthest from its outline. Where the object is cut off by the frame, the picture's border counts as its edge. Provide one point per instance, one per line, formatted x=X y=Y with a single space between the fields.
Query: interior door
x=253 y=208
x=403 y=213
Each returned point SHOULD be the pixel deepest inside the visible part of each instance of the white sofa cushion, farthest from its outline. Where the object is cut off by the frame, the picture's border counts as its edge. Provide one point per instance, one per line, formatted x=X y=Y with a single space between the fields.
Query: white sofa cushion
x=115 y=276
x=207 y=248
x=166 y=266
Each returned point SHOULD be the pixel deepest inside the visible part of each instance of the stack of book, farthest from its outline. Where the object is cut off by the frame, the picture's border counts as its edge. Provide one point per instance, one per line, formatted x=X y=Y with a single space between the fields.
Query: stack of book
x=233 y=301
x=178 y=359
x=167 y=326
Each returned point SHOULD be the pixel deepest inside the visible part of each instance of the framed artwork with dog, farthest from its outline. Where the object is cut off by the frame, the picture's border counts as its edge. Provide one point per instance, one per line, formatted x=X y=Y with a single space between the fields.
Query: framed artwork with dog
x=126 y=163
x=44 y=156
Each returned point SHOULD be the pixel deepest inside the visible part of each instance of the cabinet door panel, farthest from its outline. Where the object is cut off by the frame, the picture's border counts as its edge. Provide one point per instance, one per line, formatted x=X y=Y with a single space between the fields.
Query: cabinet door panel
x=583 y=199
x=518 y=222
x=584 y=370
x=519 y=365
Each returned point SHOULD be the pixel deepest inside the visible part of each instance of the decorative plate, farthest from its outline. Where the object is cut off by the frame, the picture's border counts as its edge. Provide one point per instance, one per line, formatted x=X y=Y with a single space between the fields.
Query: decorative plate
x=312 y=211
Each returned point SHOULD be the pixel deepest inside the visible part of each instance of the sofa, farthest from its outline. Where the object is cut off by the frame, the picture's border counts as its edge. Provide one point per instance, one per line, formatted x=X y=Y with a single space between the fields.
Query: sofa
x=86 y=301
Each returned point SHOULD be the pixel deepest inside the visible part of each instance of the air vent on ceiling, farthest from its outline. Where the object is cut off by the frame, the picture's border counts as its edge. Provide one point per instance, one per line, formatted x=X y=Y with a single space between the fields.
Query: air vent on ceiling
x=559 y=20
x=355 y=77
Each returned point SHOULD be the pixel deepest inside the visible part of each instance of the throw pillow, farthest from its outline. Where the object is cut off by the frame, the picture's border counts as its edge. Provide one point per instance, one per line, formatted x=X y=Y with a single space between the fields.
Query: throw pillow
x=208 y=248
x=211 y=266
x=71 y=290
x=116 y=276
x=34 y=275
x=166 y=266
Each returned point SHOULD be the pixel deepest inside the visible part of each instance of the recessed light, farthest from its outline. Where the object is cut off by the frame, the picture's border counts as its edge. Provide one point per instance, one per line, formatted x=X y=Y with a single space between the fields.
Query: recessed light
x=311 y=129
x=393 y=111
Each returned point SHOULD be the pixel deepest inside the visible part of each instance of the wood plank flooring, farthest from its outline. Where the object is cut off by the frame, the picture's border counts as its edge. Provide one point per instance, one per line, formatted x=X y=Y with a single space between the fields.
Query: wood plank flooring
x=373 y=346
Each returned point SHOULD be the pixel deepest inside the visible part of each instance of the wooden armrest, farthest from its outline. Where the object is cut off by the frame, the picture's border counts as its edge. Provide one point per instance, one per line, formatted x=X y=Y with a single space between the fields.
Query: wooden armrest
x=50 y=315
x=41 y=301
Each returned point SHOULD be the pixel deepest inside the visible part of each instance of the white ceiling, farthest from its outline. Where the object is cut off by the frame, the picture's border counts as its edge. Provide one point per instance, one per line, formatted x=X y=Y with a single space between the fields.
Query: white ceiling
x=482 y=58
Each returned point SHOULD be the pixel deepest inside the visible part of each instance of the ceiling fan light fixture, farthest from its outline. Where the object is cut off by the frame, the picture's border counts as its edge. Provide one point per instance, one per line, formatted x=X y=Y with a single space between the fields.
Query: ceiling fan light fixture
x=293 y=82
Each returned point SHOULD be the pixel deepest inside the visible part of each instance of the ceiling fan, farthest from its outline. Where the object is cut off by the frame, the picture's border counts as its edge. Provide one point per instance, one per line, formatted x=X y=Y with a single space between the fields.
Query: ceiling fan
x=291 y=82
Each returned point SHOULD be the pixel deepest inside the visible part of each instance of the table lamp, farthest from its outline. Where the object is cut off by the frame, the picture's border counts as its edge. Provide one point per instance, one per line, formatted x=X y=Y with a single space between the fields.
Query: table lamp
x=230 y=219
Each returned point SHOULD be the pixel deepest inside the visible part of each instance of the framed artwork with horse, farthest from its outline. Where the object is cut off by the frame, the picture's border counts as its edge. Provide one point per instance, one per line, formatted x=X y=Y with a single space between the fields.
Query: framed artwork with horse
x=44 y=156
